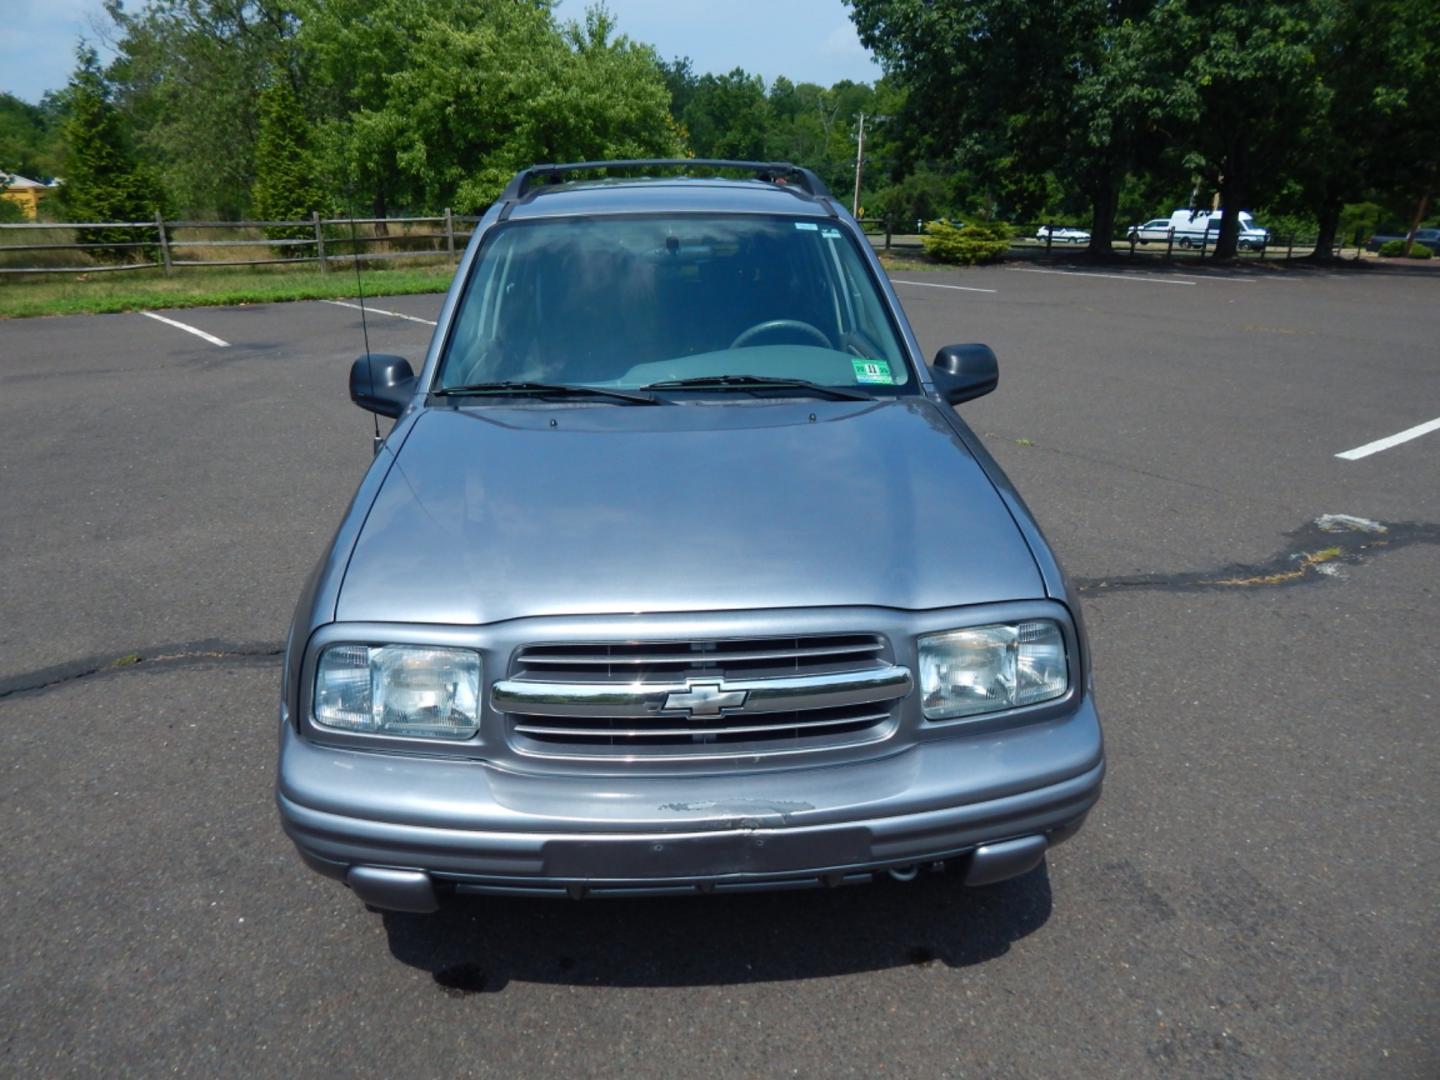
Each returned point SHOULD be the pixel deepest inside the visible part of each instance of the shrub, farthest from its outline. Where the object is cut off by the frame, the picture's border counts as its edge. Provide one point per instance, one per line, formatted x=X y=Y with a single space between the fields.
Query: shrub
x=1394 y=249
x=980 y=242
x=11 y=212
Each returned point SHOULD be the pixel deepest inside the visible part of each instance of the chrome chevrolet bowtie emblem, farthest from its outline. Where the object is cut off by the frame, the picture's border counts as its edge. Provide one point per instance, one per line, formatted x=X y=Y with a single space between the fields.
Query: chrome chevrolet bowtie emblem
x=704 y=699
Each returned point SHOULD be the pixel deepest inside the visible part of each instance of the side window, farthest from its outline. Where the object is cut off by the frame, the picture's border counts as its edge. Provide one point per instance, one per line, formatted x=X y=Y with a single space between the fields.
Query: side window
x=869 y=330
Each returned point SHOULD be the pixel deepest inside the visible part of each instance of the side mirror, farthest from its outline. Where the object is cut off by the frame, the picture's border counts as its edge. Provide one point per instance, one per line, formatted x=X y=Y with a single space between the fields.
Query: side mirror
x=382 y=384
x=965 y=372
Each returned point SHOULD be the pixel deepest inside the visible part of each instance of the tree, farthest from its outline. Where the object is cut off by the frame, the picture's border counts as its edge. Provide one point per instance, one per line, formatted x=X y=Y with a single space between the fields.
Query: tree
x=439 y=102
x=1017 y=90
x=1410 y=101
x=806 y=127
x=680 y=80
x=923 y=195
x=1251 y=91
x=189 y=76
x=102 y=181
x=286 y=187
x=30 y=137
x=728 y=116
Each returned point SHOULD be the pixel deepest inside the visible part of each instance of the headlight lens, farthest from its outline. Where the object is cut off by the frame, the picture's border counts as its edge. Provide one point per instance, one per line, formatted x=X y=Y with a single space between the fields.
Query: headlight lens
x=399 y=690
x=983 y=669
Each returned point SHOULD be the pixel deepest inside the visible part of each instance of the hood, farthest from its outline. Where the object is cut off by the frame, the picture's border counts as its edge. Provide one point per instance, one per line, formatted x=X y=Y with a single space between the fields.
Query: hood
x=493 y=513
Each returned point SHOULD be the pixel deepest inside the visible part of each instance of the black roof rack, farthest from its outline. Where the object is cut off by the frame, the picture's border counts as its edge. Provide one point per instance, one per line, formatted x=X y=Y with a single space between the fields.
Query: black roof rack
x=773 y=171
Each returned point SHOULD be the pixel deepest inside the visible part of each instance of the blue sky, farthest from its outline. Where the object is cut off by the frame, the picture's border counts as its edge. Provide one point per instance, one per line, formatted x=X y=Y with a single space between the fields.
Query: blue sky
x=37 y=43
x=806 y=40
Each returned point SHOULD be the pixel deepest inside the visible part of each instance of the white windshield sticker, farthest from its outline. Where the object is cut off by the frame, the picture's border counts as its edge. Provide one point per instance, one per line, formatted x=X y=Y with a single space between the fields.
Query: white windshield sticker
x=807 y=225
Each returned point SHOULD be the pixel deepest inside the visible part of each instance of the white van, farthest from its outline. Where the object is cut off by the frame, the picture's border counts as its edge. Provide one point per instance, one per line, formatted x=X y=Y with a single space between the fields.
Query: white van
x=1191 y=228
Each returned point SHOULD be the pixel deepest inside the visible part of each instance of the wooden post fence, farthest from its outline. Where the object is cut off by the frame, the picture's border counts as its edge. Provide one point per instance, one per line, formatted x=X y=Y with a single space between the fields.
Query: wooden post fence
x=320 y=242
x=164 y=243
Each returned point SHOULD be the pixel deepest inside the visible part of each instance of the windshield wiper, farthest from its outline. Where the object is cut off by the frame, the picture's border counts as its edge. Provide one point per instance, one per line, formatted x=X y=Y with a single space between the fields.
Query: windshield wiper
x=544 y=389
x=759 y=382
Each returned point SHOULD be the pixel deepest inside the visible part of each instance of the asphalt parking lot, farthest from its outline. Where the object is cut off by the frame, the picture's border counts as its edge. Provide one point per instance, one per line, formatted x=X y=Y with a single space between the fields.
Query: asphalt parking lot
x=1258 y=893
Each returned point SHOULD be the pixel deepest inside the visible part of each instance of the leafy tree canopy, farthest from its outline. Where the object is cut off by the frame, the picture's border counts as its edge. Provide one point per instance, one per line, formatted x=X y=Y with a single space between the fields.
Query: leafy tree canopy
x=189 y=75
x=30 y=136
x=439 y=102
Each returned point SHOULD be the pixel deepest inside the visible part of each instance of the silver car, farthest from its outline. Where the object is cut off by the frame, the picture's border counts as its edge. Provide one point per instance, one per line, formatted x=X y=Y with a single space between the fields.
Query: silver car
x=1062 y=234
x=679 y=573
x=1154 y=229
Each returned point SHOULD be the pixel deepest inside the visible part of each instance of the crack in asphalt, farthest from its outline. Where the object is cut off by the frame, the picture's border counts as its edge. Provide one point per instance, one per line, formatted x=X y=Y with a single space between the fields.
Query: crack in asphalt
x=181 y=655
x=1317 y=551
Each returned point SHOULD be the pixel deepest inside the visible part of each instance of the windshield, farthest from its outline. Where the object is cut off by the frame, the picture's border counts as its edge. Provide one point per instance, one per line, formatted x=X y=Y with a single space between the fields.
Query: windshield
x=631 y=301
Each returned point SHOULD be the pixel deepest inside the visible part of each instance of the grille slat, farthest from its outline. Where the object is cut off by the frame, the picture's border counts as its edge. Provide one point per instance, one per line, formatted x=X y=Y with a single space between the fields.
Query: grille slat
x=793 y=725
x=692 y=658
x=654 y=668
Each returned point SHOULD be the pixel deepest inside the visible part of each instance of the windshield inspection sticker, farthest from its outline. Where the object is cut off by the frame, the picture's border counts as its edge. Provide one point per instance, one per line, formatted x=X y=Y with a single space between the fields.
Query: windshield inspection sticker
x=808 y=226
x=872 y=371
x=830 y=234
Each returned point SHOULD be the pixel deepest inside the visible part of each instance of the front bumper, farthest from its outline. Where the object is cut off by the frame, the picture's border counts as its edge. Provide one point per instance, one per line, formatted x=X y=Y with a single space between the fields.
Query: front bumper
x=399 y=828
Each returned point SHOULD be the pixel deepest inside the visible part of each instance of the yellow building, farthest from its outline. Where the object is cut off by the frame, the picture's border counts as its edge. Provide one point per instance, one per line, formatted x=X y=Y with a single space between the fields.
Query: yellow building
x=23 y=190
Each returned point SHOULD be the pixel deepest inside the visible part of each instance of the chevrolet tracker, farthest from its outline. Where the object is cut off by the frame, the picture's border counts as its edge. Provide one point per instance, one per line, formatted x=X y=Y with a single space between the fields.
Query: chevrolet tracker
x=679 y=573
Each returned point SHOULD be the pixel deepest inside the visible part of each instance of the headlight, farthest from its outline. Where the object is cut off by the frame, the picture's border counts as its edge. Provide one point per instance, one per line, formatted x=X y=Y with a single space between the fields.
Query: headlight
x=399 y=690
x=983 y=669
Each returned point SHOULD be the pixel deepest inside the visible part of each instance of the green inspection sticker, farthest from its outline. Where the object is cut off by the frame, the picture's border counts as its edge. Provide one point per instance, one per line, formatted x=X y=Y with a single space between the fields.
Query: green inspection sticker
x=872 y=371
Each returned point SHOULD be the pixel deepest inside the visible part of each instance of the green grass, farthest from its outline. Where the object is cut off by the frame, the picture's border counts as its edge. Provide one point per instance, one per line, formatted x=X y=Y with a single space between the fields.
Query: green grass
x=909 y=263
x=103 y=293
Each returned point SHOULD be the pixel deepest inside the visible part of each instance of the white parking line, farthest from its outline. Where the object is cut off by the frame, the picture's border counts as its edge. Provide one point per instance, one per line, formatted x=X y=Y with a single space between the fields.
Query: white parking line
x=1147 y=278
x=937 y=285
x=1391 y=440
x=380 y=311
x=187 y=328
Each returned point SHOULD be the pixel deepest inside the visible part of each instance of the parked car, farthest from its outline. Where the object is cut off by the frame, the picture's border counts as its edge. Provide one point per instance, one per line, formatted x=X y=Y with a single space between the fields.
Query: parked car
x=1062 y=234
x=1196 y=228
x=1429 y=238
x=1154 y=229
x=678 y=572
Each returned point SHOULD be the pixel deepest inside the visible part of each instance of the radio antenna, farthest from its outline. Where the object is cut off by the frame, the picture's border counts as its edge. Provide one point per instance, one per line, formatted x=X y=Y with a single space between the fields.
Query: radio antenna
x=364 y=326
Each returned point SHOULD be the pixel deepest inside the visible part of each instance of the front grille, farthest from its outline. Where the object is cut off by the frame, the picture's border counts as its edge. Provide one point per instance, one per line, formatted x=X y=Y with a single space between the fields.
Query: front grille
x=609 y=699
x=661 y=661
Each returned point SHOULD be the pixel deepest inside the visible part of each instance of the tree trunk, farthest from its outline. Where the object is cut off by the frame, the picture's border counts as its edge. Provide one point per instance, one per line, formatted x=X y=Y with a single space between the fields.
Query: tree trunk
x=1415 y=222
x=1106 y=202
x=1234 y=193
x=1329 y=219
x=378 y=208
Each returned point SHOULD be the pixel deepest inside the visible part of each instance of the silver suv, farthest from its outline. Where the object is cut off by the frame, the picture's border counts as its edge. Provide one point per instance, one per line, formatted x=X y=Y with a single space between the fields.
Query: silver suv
x=678 y=572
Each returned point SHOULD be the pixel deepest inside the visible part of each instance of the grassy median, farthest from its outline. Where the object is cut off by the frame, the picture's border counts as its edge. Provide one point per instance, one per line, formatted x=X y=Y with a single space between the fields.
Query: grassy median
x=91 y=294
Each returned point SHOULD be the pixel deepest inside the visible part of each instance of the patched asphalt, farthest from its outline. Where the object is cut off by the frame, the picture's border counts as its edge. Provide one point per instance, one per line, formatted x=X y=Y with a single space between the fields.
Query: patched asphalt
x=1255 y=895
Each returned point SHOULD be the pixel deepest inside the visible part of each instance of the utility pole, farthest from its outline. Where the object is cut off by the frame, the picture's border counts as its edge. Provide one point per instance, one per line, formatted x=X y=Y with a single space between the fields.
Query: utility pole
x=859 y=166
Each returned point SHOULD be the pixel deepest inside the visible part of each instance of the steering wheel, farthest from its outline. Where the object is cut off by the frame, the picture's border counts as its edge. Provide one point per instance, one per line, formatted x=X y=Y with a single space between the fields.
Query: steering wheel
x=772 y=325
